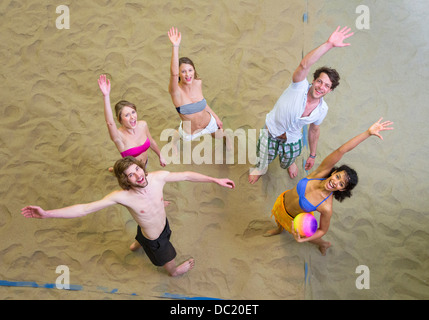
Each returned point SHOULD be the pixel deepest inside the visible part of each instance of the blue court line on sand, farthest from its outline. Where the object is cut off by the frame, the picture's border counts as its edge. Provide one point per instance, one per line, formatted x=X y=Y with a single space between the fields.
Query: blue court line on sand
x=182 y=297
x=306 y=272
x=305 y=137
x=33 y=284
x=72 y=287
x=305 y=17
x=304 y=145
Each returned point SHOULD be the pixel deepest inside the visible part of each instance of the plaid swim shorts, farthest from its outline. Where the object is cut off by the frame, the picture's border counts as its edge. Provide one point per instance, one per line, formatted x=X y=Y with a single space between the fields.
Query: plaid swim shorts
x=269 y=147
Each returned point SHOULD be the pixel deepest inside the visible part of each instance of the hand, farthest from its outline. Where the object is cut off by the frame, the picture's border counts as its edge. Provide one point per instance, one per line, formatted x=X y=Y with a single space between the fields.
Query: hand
x=295 y=234
x=174 y=36
x=379 y=126
x=309 y=164
x=162 y=161
x=104 y=85
x=226 y=183
x=338 y=36
x=219 y=123
x=33 y=212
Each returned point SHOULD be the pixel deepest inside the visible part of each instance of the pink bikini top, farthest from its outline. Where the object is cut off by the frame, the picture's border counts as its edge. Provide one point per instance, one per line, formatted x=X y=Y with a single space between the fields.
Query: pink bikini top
x=136 y=151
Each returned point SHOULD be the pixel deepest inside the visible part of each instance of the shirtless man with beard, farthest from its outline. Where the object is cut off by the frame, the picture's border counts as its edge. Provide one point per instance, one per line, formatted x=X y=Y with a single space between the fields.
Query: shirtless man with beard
x=142 y=195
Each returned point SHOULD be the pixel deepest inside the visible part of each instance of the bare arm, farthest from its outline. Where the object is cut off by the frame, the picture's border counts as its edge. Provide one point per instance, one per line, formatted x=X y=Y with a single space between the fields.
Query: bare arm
x=335 y=40
x=330 y=161
x=313 y=139
x=154 y=147
x=197 y=177
x=325 y=221
x=175 y=38
x=108 y=115
x=75 y=211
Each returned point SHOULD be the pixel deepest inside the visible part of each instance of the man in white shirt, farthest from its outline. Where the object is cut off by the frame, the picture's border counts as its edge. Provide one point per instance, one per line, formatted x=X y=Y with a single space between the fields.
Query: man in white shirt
x=300 y=104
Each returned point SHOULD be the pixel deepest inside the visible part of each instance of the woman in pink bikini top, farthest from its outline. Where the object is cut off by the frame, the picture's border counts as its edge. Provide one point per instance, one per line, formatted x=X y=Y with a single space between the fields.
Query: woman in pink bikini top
x=132 y=138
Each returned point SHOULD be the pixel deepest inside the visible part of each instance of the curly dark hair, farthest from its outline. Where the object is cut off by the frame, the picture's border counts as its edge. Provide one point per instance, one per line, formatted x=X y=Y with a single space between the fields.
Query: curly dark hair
x=331 y=73
x=352 y=181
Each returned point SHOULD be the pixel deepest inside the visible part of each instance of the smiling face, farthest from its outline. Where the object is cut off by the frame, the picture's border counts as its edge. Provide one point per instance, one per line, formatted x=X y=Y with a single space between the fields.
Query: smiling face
x=187 y=73
x=337 y=181
x=126 y=112
x=136 y=176
x=130 y=173
x=128 y=117
x=321 y=86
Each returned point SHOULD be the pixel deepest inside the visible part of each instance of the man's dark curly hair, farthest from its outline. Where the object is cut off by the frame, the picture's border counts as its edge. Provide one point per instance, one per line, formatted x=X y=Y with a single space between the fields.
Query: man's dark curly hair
x=331 y=73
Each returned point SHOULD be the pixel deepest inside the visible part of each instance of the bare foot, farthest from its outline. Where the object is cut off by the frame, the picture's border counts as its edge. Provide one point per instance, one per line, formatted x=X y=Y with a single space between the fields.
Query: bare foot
x=135 y=246
x=273 y=232
x=293 y=170
x=183 y=268
x=323 y=247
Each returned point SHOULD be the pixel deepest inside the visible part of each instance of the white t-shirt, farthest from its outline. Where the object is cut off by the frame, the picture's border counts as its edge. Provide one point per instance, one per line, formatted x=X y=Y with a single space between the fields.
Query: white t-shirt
x=286 y=114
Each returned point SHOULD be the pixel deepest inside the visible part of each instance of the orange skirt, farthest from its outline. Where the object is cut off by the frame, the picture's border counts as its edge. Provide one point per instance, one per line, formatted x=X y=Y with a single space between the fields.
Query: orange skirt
x=283 y=218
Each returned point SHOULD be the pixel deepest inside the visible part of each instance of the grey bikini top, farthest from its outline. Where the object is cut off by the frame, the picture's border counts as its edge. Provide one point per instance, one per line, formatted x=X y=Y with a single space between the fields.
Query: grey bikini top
x=192 y=107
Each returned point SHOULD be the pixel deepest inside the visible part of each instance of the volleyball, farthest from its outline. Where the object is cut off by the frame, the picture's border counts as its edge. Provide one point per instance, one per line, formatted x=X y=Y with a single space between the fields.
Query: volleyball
x=305 y=224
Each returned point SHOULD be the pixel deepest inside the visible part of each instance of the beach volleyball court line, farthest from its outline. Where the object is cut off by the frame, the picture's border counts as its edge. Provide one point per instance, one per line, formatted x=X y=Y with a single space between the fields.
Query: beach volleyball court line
x=74 y=287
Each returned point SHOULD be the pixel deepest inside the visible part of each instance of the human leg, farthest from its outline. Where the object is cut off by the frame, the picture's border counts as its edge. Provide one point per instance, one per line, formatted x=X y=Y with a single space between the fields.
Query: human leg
x=174 y=270
x=288 y=152
x=283 y=218
x=266 y=150
x=275 y=231
x=160 y=251
x=323 y=245
x=135 y=246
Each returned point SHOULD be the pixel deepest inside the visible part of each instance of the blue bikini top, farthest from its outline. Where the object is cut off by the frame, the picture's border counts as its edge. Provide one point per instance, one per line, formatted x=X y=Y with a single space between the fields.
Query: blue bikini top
x=306 y=205
x=192 y=107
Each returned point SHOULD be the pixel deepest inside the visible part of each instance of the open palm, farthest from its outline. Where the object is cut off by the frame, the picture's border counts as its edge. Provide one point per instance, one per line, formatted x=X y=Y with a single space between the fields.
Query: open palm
x=338 y=36
x=175 y=36
x=380 y=126
x=104 y=84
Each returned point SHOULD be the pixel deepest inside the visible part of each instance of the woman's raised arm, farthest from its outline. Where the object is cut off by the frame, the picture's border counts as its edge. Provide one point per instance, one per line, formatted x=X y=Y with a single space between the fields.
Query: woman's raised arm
x=331 y=160
x=104 y=85
x=175 y=38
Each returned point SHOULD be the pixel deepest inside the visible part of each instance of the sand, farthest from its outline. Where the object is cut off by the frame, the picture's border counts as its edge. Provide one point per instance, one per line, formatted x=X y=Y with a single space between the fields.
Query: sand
x=55 y=149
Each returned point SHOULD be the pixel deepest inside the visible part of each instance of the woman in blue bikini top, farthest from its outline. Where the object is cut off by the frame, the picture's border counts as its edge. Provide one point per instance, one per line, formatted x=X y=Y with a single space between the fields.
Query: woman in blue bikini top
x=306 y=205
x=316 y=191
x=132 y=138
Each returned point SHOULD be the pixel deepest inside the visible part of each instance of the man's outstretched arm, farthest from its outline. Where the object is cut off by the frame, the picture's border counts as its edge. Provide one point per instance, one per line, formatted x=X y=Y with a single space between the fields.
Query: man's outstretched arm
x=197 y=177
x=75 y=211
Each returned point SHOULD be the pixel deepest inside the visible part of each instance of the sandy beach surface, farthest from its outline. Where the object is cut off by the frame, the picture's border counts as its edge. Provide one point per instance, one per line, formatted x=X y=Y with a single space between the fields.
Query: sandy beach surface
x=55 y=148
